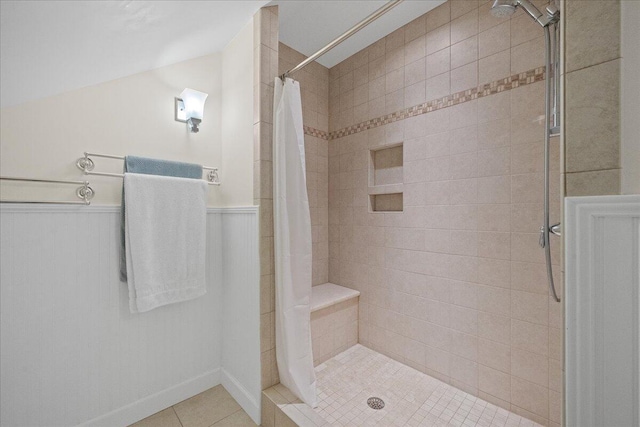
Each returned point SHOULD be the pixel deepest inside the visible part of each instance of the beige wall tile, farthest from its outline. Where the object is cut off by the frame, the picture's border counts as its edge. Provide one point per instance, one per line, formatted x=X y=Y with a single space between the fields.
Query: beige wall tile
x=494 y=134
x=464 y=370
x=494 y=189
x=494 y=107
x=592 y=32
x=530 y=366
x=464 y=52
x=461 y=7
x=494 y=272
x=465 y=77
x=523 y=29
x=530 y=337
x=494 y=217
x=494 y=161
x=463 y=217
x=528 y=55
x=494 y=328
x=439 y=16
x=494 y=40
x=593 y=183
x=464 y=26
x=438 y=86
x=592 y=139
x=494 y=355
x=414 y=50
x=415 y=28
x=494 y=67
x=438 y=63
x=494 y=382
x=415 y=72
x=529 y=396
x=438 y=39
x=530 y=307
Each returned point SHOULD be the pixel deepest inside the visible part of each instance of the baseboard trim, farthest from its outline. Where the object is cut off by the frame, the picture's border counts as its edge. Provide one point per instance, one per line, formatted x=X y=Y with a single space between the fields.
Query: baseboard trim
x=149 y=405
x=241 y=395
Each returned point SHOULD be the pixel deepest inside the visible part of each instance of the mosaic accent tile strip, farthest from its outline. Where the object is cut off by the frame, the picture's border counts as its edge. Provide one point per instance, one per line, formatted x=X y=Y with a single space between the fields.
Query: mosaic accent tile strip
x=316 y=132
x=508 y=83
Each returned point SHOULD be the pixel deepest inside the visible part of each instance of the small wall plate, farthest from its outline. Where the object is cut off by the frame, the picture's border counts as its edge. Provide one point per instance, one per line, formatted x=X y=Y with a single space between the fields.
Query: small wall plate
x=180 y=114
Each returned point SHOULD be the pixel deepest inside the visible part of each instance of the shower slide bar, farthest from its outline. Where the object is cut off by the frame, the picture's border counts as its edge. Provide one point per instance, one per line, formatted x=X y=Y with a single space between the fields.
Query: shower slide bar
x=83 y=192
x=86 y=165
x=360 y=25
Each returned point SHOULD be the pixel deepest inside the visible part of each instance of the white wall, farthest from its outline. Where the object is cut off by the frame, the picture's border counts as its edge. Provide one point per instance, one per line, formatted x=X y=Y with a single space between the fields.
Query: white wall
x=237 y=120
x=630 y=89
x=131 y=115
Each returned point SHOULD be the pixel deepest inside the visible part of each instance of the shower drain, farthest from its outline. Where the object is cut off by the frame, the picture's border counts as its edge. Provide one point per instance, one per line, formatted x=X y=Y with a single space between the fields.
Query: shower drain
x=375 y=403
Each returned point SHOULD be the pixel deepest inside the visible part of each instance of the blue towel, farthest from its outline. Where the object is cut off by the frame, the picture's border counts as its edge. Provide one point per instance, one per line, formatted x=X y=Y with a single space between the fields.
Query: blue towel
x=145 y=165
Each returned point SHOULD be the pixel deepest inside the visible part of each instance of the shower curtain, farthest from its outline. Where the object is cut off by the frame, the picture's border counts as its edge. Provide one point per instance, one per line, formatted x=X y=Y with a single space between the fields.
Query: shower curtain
x=292 y=241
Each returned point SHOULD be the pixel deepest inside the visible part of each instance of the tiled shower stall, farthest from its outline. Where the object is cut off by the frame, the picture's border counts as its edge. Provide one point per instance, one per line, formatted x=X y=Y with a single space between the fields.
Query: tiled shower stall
x=425 y=178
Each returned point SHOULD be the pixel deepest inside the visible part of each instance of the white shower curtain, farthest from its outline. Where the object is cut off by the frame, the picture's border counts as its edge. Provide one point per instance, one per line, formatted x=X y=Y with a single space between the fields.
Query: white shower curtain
x=292 y=231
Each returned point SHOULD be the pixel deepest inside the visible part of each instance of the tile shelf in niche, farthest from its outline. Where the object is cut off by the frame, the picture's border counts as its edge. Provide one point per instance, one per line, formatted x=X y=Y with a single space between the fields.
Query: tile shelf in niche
x=385 y=189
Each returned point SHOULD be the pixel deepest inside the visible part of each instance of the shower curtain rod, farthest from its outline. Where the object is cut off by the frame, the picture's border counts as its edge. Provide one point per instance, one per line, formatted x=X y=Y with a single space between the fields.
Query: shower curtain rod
x=360 y=25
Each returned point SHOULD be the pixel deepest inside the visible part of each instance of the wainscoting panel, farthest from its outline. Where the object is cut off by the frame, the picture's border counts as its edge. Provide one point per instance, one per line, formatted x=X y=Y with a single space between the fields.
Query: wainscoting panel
x=602 y=303
x=241 y=309
x=71 y=352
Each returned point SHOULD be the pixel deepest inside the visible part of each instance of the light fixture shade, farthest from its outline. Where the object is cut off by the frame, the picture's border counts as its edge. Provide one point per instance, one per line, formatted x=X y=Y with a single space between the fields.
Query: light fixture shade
x=193 y=103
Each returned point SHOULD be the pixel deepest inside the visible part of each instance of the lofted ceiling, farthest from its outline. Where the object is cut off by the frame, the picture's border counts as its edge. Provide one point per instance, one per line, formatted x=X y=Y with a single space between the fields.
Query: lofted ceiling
x=50 y=47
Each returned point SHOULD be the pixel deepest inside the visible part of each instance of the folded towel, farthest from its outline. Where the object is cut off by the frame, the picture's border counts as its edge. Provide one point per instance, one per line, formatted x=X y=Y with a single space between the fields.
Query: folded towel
x=165 y=239
x=149 y=166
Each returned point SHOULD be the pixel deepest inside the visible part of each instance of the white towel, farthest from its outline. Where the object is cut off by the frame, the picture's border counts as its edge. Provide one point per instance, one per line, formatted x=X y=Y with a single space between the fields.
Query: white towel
x=165 y=239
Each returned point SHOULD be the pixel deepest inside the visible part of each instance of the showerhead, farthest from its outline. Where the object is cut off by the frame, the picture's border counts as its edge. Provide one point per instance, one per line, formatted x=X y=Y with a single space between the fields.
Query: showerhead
x=503 y=8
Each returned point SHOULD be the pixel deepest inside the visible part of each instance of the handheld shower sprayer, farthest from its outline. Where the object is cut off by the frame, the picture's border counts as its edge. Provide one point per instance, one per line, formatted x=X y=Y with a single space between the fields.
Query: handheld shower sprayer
x=549 y=20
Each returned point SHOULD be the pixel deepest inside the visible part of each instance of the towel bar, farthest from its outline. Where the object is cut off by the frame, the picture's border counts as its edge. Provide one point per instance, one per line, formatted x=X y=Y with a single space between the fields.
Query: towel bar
x=86 y=165
x=83 y=192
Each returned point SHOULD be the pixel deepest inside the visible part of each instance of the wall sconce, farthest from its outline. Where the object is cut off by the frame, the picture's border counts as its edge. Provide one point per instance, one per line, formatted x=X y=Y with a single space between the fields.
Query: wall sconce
x=190 y=108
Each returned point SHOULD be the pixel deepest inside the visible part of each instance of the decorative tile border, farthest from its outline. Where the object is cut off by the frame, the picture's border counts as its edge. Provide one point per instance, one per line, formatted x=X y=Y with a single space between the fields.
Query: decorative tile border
x=316 y=132
x=508 y=83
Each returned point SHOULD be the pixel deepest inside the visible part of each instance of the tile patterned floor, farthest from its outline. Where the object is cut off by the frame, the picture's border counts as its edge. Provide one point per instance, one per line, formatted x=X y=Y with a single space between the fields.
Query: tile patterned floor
x=211 y=408
x=346 y=381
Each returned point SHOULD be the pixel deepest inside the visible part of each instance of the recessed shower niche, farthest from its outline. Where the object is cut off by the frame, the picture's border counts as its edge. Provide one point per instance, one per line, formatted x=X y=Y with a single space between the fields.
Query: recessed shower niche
x=386 y=178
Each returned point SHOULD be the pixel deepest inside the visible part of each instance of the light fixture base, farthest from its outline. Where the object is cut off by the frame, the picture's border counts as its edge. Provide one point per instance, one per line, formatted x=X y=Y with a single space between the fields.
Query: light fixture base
x=180 y=113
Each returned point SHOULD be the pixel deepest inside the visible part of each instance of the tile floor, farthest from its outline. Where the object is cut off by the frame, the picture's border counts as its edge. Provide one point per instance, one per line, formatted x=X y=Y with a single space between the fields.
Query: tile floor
x=346 y=381
x=211 y=408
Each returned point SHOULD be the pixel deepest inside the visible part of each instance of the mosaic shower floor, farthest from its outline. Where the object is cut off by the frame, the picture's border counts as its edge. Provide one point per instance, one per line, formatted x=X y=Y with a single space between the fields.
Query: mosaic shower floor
x=346 y=381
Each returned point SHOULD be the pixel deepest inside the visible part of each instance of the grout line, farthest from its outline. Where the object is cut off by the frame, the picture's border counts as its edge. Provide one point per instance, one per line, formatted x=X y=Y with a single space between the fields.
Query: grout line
x=566 y=73
x=177 y=416
x=222 y=419
x=592 y=170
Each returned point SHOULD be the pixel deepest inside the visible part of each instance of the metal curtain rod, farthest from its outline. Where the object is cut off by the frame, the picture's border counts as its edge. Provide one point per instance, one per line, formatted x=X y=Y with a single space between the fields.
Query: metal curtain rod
x=83 y=192
x=86 y=165
x=360 y=25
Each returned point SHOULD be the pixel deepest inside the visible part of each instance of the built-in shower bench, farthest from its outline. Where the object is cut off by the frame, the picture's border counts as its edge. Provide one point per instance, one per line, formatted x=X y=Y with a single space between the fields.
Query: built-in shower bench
x=334 y=328
x=334 y=320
